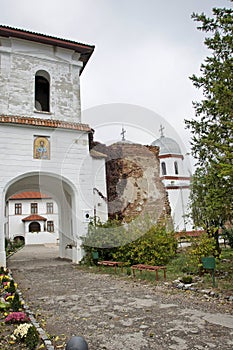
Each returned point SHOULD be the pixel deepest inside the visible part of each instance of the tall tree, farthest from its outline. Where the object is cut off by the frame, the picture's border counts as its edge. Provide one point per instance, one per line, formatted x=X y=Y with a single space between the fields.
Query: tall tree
x=212 y=128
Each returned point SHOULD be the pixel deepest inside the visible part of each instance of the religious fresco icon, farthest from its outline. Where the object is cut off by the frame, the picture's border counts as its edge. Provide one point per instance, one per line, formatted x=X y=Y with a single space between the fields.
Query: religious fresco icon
x=41 y=149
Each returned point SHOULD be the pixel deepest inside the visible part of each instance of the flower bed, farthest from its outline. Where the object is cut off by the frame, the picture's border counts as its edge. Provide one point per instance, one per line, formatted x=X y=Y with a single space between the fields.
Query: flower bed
x=17 y=331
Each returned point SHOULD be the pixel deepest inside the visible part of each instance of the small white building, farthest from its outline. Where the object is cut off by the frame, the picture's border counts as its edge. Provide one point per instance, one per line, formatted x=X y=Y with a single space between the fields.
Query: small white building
x=176 y=179
x=33 y=218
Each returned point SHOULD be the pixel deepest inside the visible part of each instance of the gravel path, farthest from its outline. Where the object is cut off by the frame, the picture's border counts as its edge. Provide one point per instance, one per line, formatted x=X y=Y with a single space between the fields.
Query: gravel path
x=116 y=313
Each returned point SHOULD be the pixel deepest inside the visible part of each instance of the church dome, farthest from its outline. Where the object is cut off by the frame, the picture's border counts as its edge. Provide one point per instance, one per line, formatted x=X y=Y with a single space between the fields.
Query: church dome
x=167 y=145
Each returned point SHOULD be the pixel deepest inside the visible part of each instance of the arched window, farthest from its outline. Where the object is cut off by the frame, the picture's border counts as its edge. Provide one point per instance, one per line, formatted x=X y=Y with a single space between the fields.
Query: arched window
x=42 y=91
x=164 y=170
x=176 y=168
x=34 y=227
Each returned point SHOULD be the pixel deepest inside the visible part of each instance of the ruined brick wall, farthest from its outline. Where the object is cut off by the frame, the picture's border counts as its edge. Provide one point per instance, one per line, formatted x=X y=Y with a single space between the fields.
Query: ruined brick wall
x=133 y=181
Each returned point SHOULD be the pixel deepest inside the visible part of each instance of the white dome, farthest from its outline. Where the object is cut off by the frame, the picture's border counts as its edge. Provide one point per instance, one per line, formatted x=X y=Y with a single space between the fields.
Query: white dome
x=167 y=145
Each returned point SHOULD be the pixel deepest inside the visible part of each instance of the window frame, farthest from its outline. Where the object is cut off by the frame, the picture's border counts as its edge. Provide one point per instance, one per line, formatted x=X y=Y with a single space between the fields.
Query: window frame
x=18 y=208
x=34 y=208
x=50 y=226
x=163 y=168
x=49 y=208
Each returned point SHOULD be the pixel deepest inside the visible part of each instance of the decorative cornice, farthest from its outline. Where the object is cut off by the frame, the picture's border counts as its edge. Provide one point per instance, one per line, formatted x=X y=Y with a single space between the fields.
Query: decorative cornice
x=46 y=123
x=171 y=156
x=171 y=187
x=168 y=177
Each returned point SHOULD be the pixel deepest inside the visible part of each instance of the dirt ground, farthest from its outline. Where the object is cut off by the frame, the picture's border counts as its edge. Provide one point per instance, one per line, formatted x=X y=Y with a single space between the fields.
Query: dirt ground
x=116 y=313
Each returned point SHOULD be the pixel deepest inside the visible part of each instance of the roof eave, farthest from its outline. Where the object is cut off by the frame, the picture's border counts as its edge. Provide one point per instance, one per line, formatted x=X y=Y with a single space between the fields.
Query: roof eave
x=84 y=49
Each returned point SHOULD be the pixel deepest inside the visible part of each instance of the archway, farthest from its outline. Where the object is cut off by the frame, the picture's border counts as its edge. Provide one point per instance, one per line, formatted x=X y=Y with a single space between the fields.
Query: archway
x=63 y=192
x=34 y=226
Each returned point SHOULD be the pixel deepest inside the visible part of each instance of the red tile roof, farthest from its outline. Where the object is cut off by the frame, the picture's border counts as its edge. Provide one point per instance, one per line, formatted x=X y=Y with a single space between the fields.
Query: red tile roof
x=34 y=217
x=49 y=123
x=29 y=195
x=84 y=49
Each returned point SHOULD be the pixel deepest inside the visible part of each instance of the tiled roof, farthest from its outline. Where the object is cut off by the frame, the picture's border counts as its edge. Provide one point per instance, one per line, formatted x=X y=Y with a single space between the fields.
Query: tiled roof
x=84 y=49
x=29 y=195
x=96 y=154
x=34 y=217
x=48 y=123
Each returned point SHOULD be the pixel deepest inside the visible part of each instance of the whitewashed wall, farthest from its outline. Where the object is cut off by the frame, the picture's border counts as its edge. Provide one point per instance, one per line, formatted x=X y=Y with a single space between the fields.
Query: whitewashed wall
x=19 y=62
x=72 y=168
x=19 y=228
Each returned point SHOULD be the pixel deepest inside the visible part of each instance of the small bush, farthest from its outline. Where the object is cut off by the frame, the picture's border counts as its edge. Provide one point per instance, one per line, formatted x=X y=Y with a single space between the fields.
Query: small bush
x=201 y=247
x=187 y=279
x=16 y=303
x=11 y=288
x=32 y=338
x=229 y=236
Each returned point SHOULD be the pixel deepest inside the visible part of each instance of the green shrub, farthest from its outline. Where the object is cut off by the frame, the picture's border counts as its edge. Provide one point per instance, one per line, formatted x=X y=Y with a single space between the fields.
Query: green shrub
x=187 y=279
x=11 y=289
x=229 y=236
x=201 y=247
x=16 y=303
x=156 y=247
x=32 y=338
x=138 y=242
x=103 y=238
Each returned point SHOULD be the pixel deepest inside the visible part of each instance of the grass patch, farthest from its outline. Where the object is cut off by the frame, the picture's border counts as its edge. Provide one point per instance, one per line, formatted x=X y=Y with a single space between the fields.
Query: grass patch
x=179 y=267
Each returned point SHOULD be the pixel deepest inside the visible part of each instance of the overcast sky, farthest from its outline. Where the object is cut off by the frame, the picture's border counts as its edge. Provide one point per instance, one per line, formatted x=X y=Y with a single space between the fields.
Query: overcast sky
x=145 y=51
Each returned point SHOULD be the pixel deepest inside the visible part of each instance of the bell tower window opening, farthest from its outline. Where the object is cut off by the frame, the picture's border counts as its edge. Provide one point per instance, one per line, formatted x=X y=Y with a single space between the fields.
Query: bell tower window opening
x=164 y=170
x=42 y=91
x=176 y=168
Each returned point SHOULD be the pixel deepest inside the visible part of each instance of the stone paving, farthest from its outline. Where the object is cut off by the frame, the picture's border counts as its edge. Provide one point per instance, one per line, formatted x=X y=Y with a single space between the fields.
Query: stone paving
x=115 y=313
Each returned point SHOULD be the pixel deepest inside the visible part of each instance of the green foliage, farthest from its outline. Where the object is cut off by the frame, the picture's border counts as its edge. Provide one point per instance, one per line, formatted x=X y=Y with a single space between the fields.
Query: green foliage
x=32 y=338
x=155 y=247
x=138 y=242
x=4 y=305
x=201 y=247
x=212 y=129
x=103 y=238
x=187 y=279
x=11 y=288
x=229 y=236
x=16 y=303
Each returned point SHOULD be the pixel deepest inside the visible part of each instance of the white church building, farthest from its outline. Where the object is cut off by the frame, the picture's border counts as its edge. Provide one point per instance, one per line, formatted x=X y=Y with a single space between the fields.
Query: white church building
x=44 y=145
x=176 y=177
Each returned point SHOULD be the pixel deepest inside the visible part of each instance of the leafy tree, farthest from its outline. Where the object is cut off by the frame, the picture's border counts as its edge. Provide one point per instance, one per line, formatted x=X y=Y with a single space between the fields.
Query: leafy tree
x=212 y=129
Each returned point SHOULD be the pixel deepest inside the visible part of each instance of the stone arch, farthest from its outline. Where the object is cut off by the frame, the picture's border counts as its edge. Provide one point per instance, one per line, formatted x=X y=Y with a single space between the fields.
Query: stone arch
x=62 y=191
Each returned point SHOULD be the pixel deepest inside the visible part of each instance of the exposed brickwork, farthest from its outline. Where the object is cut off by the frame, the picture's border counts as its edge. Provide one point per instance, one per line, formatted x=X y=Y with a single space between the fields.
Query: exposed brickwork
x=133 y=183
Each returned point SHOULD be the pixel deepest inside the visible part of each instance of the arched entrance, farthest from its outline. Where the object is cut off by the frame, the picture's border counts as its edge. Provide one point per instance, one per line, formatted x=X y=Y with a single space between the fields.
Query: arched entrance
x=63 y=192
x=34 y=226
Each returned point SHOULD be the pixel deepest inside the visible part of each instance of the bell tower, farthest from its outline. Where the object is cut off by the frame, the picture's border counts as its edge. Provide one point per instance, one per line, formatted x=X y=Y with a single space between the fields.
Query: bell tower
x=44 y=145
x=40 y=75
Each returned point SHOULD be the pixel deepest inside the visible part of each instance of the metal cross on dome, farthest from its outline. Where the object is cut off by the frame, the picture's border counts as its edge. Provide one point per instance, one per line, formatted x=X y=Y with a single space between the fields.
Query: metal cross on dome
x=123 y=133
x=161 y=130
